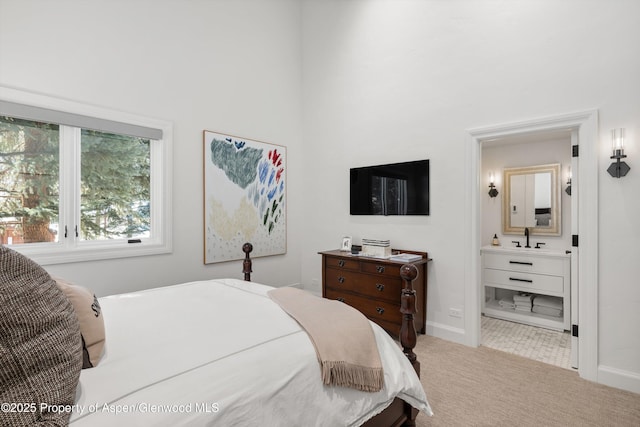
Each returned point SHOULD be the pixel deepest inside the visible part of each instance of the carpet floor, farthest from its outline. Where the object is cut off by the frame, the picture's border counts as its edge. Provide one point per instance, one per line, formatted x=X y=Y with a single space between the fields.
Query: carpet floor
x=485 y=387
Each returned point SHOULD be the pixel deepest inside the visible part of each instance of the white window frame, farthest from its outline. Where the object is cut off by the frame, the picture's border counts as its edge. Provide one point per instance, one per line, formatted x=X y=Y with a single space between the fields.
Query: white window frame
x=72 y=249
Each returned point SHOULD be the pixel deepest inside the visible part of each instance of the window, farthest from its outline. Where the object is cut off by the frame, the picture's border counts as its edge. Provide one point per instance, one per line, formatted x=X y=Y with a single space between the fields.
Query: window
x=81 y=183
x=114 y=186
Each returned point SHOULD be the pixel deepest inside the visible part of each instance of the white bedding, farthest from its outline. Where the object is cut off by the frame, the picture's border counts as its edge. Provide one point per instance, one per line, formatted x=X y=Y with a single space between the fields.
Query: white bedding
x=221 y=353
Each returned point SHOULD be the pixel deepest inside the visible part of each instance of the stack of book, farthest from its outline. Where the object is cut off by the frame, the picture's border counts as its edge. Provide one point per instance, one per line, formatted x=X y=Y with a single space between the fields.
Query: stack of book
x=376 y=248
x=403 y=257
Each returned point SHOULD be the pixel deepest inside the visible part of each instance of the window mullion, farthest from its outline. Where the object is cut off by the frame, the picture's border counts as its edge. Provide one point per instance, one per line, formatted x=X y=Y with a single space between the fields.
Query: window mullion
x=69 y=185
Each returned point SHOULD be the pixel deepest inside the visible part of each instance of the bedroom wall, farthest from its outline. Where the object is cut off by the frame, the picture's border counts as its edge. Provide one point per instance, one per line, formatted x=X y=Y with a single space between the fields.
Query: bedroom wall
x=398 y=80
x=226 y=66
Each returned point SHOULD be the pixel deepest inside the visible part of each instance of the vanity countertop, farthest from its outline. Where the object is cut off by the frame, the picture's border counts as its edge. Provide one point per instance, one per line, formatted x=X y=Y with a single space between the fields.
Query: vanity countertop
x=512 y=250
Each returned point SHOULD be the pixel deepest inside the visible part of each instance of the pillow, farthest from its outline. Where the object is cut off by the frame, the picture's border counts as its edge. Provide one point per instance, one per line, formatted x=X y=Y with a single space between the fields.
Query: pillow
x=40 y=343
x=89 y=314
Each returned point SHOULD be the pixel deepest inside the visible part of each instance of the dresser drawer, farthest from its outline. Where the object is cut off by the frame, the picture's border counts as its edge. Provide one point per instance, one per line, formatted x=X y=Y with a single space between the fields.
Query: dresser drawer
x=381 y=269
x=342 y=263
x=532 y=264
x=373 y=309
x=528 y=282
x=388 y=288
x=340 y=279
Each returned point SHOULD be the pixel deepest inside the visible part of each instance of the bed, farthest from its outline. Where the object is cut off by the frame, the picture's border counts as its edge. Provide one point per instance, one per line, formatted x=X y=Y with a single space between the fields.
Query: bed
x=221 y=352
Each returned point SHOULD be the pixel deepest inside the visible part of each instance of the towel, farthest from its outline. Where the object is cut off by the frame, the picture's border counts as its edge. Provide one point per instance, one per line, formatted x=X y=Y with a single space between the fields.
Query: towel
x=523 y=304
x=522 y=297
x=549 y=311
x=547 y=301
x=342 y=336
x=504 y=303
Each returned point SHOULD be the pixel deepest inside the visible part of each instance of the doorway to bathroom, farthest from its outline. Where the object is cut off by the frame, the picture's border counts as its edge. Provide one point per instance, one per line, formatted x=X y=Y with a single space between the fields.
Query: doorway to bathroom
x=582 y=227
x=530 y=207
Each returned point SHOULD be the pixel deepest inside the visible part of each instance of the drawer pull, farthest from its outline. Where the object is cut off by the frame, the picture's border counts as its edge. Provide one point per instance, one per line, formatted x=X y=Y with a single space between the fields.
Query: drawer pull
x=380 y=268
x=380 y=310
x=521 y=263
x=380 y=287
x=340 y=279
x=340 y=299
x=520 y=280
x=341 y=263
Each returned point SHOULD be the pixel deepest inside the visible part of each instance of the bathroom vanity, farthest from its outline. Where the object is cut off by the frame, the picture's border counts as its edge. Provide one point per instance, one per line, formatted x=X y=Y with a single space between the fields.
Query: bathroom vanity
x=514 y=271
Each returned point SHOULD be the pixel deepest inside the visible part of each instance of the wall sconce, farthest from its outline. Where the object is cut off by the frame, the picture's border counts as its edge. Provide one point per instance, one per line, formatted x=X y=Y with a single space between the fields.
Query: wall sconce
x=568 y=189
x=618 y=169
x=492 y=188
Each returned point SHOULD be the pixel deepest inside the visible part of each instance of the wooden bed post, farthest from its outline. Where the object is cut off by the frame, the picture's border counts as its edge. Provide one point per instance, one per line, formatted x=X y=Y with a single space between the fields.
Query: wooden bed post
x=408 y=334
x=246 y=264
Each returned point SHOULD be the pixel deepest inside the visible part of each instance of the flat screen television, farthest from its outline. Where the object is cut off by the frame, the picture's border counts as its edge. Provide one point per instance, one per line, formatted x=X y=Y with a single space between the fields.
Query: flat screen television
x=392 y=189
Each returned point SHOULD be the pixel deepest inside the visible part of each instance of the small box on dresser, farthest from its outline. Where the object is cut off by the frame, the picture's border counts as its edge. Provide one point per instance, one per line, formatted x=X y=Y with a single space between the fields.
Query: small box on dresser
x=373 y=286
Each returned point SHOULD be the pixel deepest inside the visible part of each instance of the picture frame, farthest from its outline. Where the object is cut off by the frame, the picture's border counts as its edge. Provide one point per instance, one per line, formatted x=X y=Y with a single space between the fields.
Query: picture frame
x=244 y=197
x=346 y=244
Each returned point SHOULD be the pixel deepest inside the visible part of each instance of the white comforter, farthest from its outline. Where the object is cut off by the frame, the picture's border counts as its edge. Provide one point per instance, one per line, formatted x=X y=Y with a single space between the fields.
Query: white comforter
x=221 y=353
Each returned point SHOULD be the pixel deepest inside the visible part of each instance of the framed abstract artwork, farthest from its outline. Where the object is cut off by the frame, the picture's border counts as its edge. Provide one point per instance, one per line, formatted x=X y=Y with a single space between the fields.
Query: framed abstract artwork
x=244 y=197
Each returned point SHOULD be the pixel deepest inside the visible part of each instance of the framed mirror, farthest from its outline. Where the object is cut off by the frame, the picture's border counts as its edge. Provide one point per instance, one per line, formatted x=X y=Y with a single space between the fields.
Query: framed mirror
x=532 y=199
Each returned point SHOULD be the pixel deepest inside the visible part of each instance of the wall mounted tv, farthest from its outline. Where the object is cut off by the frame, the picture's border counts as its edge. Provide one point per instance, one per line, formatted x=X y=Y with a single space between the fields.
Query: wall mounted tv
x=392 y=189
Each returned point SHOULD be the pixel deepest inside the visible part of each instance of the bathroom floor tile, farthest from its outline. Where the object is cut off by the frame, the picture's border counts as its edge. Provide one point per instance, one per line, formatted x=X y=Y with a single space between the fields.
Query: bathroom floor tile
x=540 y=344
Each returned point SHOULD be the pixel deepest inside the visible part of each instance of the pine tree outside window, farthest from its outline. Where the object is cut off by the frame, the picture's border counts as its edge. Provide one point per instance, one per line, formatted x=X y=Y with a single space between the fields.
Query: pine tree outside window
x=114 y=186
x=29 y=181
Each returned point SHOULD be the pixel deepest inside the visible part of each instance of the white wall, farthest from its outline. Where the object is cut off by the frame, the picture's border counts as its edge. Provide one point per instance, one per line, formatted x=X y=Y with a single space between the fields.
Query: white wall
x=397 y=80
x=227 y=66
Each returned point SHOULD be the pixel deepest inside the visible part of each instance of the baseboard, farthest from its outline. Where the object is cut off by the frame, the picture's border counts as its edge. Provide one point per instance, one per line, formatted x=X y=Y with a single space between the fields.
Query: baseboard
x=446 y=332
x=618 y=378
x=296 y=285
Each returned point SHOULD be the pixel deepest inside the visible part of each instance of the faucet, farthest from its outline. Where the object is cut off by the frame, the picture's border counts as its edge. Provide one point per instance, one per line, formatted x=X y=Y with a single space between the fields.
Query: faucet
x=526 y=234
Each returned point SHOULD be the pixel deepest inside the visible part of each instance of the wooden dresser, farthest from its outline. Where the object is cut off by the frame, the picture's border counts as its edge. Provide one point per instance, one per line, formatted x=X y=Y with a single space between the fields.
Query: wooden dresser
x=373 y=286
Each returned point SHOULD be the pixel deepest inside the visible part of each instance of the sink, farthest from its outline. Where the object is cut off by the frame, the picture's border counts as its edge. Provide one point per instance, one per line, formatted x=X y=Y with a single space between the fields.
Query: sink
x=523 y=250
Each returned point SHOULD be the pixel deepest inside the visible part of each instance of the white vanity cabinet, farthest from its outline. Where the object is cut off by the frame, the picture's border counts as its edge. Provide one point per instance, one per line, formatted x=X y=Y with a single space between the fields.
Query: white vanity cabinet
x=509 y=271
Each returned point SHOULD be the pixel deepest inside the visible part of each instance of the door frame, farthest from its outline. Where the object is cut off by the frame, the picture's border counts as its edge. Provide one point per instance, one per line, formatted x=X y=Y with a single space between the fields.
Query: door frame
x=575 y=253
x=586 y=125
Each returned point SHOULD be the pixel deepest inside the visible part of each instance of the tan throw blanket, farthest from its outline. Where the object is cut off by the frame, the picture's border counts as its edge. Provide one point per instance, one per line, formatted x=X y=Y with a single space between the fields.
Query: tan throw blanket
x=342 y=336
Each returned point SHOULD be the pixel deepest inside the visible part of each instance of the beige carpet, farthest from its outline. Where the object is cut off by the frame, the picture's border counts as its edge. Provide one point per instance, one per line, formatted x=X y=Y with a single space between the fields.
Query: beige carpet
x=484 y=387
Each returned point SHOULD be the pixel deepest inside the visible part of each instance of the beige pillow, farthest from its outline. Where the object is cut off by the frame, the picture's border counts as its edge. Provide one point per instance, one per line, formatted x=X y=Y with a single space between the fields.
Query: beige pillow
x=89 y=314
x=40 y=344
